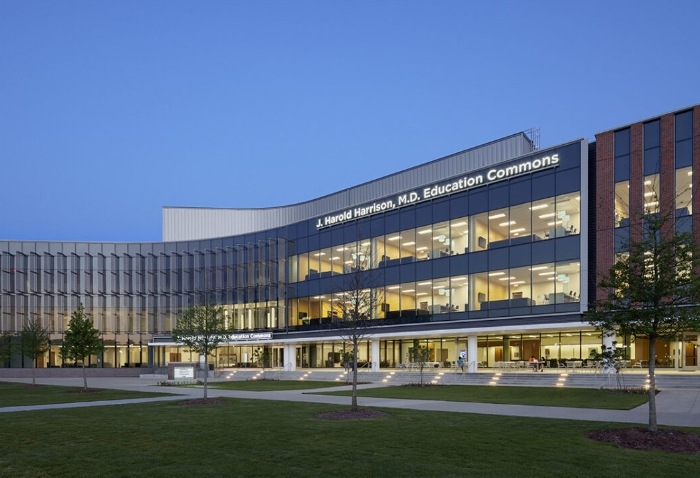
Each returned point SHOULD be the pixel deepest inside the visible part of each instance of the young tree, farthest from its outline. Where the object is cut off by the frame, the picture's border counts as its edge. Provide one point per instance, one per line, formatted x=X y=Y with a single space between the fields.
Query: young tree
x=80 y=340
x=354 y=310
x=35 y=342
x=420 y=355
x=652 y=291
x=202 y=329
x=5 y=348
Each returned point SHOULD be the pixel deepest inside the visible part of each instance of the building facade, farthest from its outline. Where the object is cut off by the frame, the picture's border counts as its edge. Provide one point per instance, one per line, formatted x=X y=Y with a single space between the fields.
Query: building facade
x=490 y=254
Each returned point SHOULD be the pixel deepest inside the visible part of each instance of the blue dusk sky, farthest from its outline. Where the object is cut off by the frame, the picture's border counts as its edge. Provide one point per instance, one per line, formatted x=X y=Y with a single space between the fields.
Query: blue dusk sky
x=110 y=110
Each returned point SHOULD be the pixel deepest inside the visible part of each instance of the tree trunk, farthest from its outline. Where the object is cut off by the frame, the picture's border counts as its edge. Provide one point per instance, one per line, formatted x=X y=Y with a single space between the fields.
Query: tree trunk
x=354 y=375
x=206 y=374
x=652 y=384
x=84 y=377
x=34 y=373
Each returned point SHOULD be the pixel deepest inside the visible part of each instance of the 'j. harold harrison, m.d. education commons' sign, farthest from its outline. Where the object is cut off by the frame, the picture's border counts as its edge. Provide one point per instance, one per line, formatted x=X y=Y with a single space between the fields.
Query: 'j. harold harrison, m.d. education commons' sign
x=441 y=189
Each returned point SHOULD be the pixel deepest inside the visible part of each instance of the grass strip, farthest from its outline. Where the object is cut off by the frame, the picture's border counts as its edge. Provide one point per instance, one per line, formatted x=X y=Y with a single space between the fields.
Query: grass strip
x=542 y=396
x=260 y=438
x=13 y=394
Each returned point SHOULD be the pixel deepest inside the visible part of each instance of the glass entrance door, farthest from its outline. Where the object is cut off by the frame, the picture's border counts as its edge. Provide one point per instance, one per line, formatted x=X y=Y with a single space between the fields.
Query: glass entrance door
x=690 y=351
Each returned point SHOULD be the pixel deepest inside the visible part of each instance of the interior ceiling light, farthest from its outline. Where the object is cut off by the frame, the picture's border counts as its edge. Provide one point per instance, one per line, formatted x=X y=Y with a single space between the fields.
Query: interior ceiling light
x=497 y=216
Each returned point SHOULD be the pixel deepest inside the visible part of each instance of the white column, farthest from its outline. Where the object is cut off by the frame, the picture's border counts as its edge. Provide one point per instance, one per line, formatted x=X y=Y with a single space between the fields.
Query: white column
x=375 y=355
x=290 y=357
x=471 y=353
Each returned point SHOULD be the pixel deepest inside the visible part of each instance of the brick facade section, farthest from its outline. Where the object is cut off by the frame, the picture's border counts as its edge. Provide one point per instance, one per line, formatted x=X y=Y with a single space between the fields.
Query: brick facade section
x=605 y=193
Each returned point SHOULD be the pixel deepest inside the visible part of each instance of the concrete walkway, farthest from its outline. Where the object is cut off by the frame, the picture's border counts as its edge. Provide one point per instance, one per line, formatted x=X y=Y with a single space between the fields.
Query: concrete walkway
x=675 y=407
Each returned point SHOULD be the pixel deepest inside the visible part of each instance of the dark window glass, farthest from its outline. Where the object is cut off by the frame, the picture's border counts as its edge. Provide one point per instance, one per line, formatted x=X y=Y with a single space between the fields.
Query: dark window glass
x=303 y=245
x=542 y=185
x=313 y=243
x=325 y=238
x=478 y=202
x=424 y=215
x=684 y=125
x=377 y=226
x=337 y=235
x=568 y=248
x=651 y=161
x=498 y=196
x=459 y=264
x=441 y=267
x=459 y=205
x=622 y=168
x=542 y=251
x=684 y=153
x=478 y=262
x=520 y=255
x=392 y=275
x=408 y=272
x=352 y=231
x=622 y=142
x=408 y=218
x=424 y=269
x=622 y=238
x=392 y=222
x=651 y=135
x=441 y=210
x=498 y=259
x=569 y=156
x=568 y=181
x=311 y=226
x=684 y=224
x=520 y=191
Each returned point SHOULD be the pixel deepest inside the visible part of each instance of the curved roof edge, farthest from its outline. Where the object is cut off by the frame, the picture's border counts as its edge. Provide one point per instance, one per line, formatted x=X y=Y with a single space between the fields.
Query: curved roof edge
x=192 y=223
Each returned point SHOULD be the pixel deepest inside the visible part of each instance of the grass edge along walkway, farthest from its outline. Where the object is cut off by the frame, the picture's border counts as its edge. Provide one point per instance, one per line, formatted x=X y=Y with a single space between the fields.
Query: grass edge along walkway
x=533 y=396
x=19 y=394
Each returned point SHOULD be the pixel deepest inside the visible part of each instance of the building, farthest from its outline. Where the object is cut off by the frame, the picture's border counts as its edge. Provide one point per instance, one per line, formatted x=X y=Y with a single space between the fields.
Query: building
x=490 y=253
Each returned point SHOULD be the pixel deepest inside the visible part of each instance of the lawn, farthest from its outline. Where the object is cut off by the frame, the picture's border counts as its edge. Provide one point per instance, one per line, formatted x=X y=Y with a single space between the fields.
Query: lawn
x=251 y=438
x=542 y=396
x=20 y=394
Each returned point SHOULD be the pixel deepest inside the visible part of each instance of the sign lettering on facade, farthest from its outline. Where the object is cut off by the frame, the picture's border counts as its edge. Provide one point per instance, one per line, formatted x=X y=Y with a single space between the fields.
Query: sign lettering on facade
x=441 y=189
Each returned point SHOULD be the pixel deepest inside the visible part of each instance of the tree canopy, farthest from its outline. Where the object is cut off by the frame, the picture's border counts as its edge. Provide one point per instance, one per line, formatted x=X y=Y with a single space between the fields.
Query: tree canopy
x=81 y=340
x=201 y=329
x=652 y=290
x=35 y=341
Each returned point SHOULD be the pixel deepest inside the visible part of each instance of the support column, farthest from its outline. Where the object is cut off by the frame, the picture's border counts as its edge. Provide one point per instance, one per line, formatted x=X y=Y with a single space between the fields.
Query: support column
x=290 y=357
x=471 y=353
x=375 y=355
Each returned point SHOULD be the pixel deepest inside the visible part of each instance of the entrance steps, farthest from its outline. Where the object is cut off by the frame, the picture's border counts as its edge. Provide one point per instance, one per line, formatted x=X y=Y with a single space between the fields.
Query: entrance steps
x=664 y=380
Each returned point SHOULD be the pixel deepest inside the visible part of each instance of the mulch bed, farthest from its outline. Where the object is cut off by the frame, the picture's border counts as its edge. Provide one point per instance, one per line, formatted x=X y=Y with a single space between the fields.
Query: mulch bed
x=674 y=441
x=361 y=414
